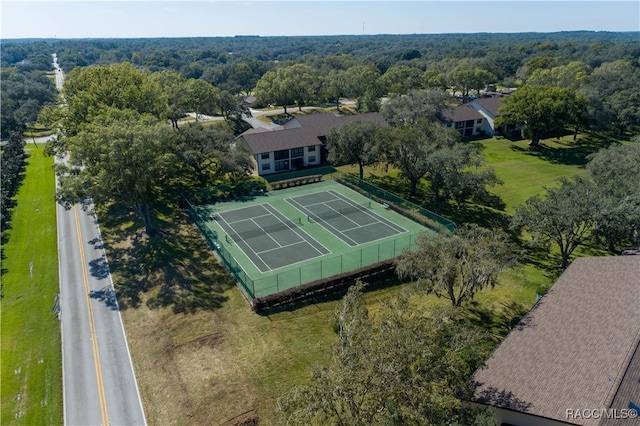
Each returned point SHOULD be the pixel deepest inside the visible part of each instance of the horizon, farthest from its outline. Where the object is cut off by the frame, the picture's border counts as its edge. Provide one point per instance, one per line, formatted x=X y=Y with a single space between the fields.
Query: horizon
x=318 y=36
x=151 y=19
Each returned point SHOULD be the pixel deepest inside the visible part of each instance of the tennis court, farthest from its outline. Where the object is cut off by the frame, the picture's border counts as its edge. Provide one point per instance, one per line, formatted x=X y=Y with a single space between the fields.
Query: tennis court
x=269 y=239
x=286 y=238
x=353 y=223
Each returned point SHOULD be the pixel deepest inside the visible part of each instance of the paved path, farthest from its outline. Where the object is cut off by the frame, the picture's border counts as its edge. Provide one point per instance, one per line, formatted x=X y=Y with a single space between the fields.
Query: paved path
x=99 y=383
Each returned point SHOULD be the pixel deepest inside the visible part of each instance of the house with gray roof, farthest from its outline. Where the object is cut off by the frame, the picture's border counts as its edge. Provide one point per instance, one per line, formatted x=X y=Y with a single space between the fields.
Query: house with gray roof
x=575 y=357
x=298 y=143
x=476 y=118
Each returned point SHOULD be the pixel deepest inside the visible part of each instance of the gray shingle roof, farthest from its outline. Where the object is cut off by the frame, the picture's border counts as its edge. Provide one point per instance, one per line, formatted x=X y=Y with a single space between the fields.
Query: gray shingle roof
x=491 y=104
x=573 y=349
x=461 y=113
x=303 y=131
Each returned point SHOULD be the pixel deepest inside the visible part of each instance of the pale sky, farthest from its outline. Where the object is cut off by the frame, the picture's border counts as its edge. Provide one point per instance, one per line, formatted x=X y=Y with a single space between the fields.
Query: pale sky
x=153 y=18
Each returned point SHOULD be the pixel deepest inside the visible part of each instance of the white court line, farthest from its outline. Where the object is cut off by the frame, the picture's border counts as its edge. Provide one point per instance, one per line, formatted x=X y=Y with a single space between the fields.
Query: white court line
x=373 y=215
x=343 y=215
x=296 y=229
x=245 y=253
x=319 y=220
x=285 y=246
x=264 y=232
x=249 y=218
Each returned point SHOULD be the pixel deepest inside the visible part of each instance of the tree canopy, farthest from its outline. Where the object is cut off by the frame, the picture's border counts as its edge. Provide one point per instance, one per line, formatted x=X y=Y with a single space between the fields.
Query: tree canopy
x=460 y=264
x=542 y=109
x=23 y=94
x=90 y=91
x=411 y=149
x=615 y=172
x=565 y=216
x=355 y=143
x=120 y=157
x=402 y=368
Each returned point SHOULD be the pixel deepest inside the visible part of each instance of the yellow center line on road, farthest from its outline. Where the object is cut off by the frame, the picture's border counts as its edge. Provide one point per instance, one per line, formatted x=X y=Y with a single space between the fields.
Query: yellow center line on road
x=92 y=327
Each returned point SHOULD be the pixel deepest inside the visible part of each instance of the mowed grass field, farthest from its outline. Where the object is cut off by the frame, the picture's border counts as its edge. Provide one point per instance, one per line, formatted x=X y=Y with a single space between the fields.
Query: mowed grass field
x=31 y=349
x=219 y=363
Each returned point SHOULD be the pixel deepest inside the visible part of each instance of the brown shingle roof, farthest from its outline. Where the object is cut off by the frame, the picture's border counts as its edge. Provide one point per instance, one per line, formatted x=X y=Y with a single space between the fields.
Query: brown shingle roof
x=574 y=347
x=628 y=391
x=303 y=131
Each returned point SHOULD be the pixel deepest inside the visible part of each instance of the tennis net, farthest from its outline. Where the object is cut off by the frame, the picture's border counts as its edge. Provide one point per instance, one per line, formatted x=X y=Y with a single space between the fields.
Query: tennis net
x=253 y=232
x=344 y=211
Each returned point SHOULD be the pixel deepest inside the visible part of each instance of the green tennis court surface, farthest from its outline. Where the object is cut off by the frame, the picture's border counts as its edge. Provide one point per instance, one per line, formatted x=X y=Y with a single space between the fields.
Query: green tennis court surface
x=290 y=237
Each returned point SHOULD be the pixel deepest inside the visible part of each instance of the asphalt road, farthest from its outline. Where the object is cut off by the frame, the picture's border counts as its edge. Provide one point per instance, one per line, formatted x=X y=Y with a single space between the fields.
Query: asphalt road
x=98 y=378
x=99 y=383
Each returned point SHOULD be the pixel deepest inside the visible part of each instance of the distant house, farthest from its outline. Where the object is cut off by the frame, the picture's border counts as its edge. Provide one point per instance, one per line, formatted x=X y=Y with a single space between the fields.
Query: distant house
x=477 y=118
x=575 y=352
x=299 y=143
x=250 y=101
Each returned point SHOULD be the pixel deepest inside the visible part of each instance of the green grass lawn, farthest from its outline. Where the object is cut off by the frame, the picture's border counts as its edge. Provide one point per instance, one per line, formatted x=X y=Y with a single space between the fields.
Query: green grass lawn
x=31 y=348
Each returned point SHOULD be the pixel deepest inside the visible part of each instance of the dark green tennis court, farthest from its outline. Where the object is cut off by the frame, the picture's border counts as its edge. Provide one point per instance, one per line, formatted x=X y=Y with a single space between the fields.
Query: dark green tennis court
x=286 y=238
x=269 y=239
x=353 y=223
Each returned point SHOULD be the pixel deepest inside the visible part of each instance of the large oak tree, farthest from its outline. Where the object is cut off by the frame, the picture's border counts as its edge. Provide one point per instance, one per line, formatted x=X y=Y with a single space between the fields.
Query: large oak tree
x=121 y=157
x=459 y=264
x=566 y=216
x=540 y=109
x=355 y=143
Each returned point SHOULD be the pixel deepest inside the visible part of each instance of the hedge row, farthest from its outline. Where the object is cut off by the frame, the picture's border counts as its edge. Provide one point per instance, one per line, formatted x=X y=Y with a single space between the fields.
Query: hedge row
x=410 y=214
x=303 y=180
x=324 y=286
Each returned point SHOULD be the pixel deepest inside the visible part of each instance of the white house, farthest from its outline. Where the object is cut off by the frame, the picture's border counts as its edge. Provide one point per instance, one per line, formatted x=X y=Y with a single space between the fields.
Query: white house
x=477 y=118
x=299 y=143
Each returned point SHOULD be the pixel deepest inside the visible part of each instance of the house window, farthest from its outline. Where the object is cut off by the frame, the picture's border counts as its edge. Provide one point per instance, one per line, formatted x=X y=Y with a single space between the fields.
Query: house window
x=266 y=166
x=282 y=165
x=297 y=152
x=312 y=159
x=266 y=155
x=311 y=148
x=469 y=123
x=281 y=155
x=479 y=121
x=459 y=124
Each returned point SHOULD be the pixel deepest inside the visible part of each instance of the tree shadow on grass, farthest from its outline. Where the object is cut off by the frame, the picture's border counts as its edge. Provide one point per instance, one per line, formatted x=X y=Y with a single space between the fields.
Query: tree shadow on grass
x=570 y=153
x=176 y=264
x=485 y=216
x=497 y=322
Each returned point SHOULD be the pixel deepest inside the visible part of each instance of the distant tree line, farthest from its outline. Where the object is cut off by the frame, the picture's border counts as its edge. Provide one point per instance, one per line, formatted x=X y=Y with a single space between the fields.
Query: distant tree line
x=25 y=90
x=601 y=67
